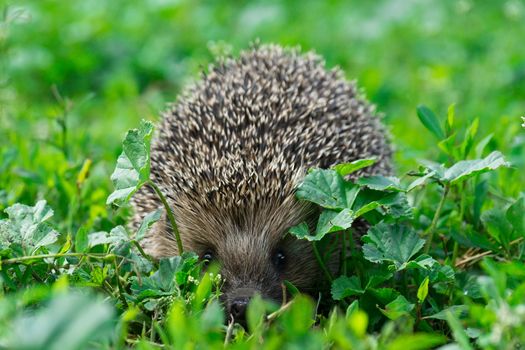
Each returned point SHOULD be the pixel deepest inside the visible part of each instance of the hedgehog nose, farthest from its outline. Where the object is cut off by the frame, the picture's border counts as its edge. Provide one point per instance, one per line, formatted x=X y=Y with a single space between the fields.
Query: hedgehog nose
x=238 y=308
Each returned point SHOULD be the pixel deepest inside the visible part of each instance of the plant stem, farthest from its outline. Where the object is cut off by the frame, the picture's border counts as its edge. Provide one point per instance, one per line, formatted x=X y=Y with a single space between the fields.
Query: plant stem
x=432 y=227
x=119 y=285
x=171 y=217
x=343 y=254
x=144 y=254
x=43 y=256
x=321 y=262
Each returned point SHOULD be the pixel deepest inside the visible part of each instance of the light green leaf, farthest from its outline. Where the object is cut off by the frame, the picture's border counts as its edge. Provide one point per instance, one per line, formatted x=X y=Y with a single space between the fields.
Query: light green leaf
x=28 y=227
x=332 y=221
x=381 y=183
x=69 y=321
x=345 y=169
x=397 y=308
x=458 y=331
x=420 y=181
x=345 y=286
x=323 y=187
x=416 y=341
x=147 y=222
x=436 y=168
x=133 y=165
x=302 y=231
x=430 y=121
x=422 y=291
x=467 y=168
x=395 y=244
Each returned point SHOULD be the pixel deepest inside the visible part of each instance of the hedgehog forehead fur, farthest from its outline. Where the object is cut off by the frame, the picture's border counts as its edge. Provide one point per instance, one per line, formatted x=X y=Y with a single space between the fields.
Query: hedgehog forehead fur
x=230 y=152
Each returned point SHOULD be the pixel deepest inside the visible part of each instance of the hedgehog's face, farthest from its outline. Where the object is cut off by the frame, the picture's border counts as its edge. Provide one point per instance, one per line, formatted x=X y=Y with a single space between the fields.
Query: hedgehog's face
x=254 y=251
x=257 y=264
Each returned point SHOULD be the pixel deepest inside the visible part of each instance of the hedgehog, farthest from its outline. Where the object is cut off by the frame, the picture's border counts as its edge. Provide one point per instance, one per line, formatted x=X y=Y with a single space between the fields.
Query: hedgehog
x=230 y=152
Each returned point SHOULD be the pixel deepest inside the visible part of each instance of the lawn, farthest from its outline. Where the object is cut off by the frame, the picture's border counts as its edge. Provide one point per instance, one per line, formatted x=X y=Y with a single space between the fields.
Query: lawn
x=448 y=78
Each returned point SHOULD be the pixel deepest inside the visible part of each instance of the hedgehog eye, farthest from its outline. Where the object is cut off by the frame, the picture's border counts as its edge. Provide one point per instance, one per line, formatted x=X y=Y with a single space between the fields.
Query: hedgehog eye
x=207 y=257
x=279 y=260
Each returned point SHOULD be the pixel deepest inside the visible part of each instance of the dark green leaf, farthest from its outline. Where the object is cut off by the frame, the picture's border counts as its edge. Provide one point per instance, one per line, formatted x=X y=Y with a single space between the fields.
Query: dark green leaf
x=430 y=121
x=345 y=286
x=397 y=308
x=395 y=244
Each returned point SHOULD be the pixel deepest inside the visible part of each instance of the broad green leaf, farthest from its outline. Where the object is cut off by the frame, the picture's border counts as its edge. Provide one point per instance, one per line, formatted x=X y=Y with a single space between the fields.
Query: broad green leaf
x=162 y=282
x=397 y=308
x=115 y=238
x=358 y=322
x=299 y=318
x=395 y=244
x=345 y=286
x=323 y=187
x=416 y=341
x=133 y=165
x=394 y=204
x=256 y=312
x=467 y=168
x=345 y=169
x=430 y=121
x=332 y=221
x=381 y=183
x=28 y=227
x=422 y=291
x=147 y=222
x=212 y=317
x=68 y=321
x=376 y=275
x=302 y=231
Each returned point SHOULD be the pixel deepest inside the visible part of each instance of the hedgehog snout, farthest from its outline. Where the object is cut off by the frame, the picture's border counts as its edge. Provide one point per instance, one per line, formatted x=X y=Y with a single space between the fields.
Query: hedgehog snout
x=238 y=303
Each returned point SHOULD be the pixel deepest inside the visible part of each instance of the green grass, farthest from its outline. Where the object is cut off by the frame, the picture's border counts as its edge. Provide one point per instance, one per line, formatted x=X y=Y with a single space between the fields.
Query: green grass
x=76 y=75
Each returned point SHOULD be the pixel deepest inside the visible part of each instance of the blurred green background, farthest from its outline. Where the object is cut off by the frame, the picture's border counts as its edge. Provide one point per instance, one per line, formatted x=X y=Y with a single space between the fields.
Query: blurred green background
x=107 y=64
